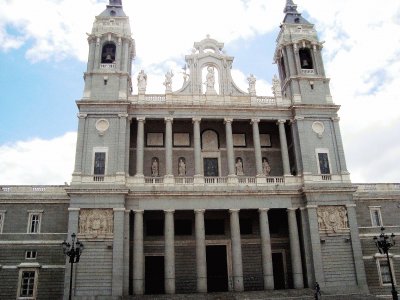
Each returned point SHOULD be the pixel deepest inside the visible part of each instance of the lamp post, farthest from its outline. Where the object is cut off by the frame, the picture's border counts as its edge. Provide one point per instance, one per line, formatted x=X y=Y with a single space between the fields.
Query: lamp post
x=74 y=251
x=384 y=242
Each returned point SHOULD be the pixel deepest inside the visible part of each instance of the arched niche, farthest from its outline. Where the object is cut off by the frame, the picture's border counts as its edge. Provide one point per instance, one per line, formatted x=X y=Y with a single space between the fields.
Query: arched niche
x=306 y=58
x=209 y=140
x=108 y=53
x=210 y=80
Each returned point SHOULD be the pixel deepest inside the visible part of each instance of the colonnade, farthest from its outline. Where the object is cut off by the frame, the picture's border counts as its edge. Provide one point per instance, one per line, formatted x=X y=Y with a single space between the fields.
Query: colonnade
x=197 y=147
x=201 y=262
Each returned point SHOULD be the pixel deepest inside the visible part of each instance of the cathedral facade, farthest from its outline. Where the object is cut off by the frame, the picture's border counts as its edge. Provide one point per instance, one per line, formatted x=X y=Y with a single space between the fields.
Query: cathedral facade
x=205 y=189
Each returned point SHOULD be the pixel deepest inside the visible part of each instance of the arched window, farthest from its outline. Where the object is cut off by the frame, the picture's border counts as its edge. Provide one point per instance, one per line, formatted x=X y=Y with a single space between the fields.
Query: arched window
x=305 y=58
x=108 y=53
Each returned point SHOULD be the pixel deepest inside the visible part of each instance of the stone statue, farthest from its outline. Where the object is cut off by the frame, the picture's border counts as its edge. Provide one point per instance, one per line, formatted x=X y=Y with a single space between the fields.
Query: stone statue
x=252 y=84
x=142 y=81
x=276 y=87
x=154 y=167
x=239 y=166
x=265 y=166
x=210 y=81
x=168 y=81
x=181 y=167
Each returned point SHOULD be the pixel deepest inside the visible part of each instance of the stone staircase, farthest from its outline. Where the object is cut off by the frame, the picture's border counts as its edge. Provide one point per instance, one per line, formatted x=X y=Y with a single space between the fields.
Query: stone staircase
x=302 y=294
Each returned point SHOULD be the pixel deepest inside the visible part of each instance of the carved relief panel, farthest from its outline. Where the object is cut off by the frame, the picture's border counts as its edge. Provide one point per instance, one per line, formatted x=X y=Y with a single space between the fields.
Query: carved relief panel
x=96 y=222
x=332 y=219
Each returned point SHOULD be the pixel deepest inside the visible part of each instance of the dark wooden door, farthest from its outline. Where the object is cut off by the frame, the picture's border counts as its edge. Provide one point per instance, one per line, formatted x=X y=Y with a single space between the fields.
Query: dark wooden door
x=217 y=270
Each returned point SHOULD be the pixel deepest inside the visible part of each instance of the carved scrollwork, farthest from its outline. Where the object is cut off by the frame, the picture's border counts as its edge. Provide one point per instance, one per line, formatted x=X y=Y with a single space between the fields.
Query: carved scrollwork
x=96 y=222
x=332 y=218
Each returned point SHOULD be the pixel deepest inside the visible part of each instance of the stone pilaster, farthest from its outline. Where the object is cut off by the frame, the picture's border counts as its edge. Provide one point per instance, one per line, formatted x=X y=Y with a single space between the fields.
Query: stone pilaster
x=140 y=147
x=197 y=149
x=266 y=251
x=237 y=266
x=229 y=147
x=257 y=146
x=138 y=254
x=118 y=252
x=168 y=150
x=169 y=252
x=284 y=147
x=76 y=176
x=201 y=263
x=295 y=249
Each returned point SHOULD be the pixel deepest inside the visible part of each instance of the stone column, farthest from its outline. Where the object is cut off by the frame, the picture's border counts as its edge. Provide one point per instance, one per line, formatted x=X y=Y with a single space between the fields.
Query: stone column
x=229 y=147
x=140 y=147
x=118 y=58
x=237 y=266
x=168 y=148
x=356 y=246
x=284 y=148
x=92 y=51
x=257 y=146
x=197 y=146
x=126 y=252
x=126 y=55
x=138 y=254
x=118 y=252
x=97 y=57
x=201 y=265
x=169 y=252
x=295 y=250
x=122 y=155
x=268 y=272
x=79 y=147
x=315 y=59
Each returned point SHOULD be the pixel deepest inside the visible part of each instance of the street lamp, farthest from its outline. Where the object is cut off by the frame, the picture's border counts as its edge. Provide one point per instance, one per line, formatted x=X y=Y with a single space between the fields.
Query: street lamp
x=384 y=242
x=74 y=251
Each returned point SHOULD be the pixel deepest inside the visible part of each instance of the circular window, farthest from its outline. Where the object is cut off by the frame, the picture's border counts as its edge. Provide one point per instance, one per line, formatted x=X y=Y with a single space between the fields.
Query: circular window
x=102 y=126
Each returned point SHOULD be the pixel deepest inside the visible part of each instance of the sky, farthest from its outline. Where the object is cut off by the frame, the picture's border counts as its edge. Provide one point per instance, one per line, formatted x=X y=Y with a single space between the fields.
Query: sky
x=43 y=54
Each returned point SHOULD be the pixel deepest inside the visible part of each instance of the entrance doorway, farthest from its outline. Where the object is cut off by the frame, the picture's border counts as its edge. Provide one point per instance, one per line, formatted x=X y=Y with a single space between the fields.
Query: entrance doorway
x=210 y=166
x=279 y=270
x=217 y=269
x=154 y=275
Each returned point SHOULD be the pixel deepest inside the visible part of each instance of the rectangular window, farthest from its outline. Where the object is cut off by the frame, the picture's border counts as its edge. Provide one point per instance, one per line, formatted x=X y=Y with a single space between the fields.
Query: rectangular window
x=246 y=226
x=323 y=161
x=183 y=227
x=27 y=284
x=154 y=227
x=214 y=226
x=99 y=163
x=34 y=221
x=384 y=271
x=376 y=217
x=31 y=254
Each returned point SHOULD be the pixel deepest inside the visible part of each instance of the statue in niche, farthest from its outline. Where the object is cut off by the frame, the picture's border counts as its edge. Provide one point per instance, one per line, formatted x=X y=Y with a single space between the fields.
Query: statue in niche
x=142 y=81
x=154 y=167
x=181 y=167
x=168 y=81
x=210 y=81
x=265 y=166
x=252 y=84
x=239 y=166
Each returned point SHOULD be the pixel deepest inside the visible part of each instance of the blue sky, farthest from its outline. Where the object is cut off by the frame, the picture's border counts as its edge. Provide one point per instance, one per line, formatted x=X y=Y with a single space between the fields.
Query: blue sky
x=43 y=56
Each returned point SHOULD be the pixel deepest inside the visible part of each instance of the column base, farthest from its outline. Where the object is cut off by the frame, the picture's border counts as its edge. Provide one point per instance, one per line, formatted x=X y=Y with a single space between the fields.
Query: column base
x=76 y=177
x=138 y=179
x=232 y=180
x=169 y=180
x=198 y=180
x=120 y=178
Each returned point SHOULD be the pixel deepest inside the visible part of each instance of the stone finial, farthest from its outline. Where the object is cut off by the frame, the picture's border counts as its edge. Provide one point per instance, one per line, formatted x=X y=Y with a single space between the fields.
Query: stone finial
x=276 y=87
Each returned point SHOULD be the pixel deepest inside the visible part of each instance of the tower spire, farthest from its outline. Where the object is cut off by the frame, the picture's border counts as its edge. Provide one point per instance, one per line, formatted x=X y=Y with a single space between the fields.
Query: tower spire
x=292 y=15
x=290 y=7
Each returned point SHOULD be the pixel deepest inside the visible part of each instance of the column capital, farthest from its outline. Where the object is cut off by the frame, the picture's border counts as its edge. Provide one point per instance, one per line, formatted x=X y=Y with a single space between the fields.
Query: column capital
x=263 y=210
x=138 y=211
x=199 y=211
x=169 y=211
x=351 y=205
x=335 y=119
x=295 y=48
x=81 y=115
x=168 y=119
x=281 y=121
x=196 y=119
x=255 y=121
x=141 y=119
x=289 y=209
x=228 y=120
x=119 y=209
x=123 y=115
x=234 y=210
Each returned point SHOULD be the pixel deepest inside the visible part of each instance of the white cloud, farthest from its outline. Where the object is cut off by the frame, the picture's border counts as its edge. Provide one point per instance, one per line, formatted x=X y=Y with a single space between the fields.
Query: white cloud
x=38 y=161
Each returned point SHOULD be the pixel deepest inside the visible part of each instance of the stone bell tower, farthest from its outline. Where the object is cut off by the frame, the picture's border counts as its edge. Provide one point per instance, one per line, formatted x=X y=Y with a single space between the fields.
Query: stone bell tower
x=299 y=60
x=111 y=50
